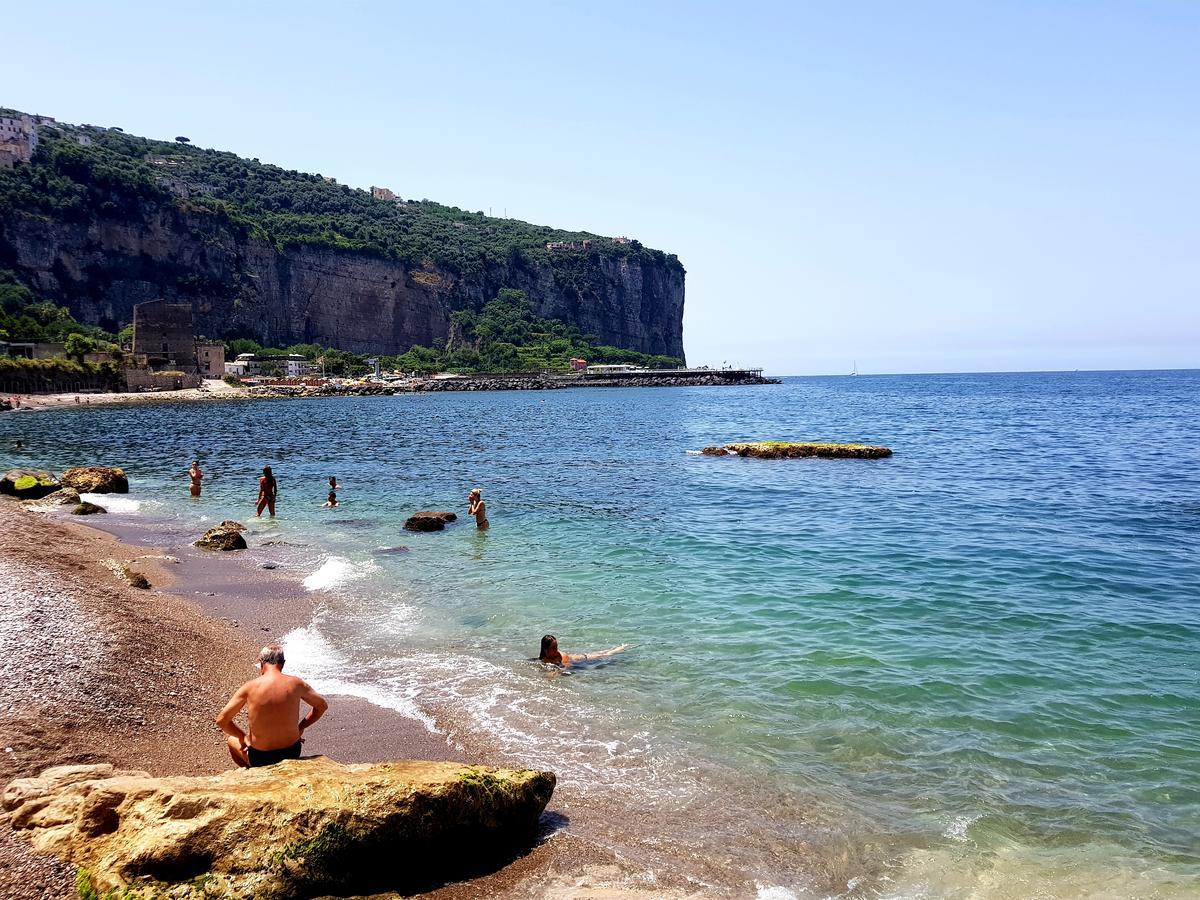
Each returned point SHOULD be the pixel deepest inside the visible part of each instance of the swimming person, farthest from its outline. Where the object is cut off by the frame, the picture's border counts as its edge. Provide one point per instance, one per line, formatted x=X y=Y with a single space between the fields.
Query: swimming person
x=267 y=489
x=272 y=703
x=553 y=656
x=478 y=508
x=331 y=500
x=197 y=476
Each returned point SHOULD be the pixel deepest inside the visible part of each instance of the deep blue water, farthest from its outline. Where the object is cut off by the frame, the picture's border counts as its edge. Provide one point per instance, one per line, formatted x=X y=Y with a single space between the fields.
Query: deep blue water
x=966 y=670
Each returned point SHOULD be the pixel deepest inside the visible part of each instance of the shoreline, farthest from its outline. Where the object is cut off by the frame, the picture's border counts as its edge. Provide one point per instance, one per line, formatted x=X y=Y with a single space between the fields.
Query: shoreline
x=217 y=390
x=134 y=677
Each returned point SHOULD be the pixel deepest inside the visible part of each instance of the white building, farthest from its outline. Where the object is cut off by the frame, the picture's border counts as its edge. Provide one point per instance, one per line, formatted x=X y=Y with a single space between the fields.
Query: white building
x=253 y=365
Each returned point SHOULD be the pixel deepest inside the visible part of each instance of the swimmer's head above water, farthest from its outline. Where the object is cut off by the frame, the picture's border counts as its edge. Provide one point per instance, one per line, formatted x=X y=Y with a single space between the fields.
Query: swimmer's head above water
x=549 y=651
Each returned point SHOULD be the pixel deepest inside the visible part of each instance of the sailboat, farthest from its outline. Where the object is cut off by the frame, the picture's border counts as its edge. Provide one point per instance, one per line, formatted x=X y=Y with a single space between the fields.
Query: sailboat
x=855 y=371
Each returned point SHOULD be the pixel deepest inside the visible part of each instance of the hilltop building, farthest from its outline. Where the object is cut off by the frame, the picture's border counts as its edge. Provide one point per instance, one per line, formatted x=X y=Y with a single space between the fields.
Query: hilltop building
x=382 y=193
x=18 y=138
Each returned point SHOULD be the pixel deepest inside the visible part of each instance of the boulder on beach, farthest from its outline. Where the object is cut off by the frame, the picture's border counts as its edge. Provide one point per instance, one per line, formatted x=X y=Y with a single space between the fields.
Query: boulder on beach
x=226 y=536
x=87 y=509
x=135 y=578
x=799 y=449
x=96 y=480
x=302 y=828
x=428 y=520
x=28 y=484
x=61 y=497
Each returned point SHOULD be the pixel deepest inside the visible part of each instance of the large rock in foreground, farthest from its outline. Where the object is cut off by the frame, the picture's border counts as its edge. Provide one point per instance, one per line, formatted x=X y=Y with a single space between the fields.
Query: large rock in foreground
x=298 y=829
x=226 y=536
x=796 y=450
x=428 y=520
x=96 y=480
x=28 y=484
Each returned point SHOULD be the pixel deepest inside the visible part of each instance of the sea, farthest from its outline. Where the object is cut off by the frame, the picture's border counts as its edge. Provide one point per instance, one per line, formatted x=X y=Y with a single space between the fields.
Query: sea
x=967 y=670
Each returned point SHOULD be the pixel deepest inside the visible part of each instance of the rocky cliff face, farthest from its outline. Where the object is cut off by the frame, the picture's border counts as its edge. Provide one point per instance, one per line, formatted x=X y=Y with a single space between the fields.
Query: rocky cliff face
x=243 y=286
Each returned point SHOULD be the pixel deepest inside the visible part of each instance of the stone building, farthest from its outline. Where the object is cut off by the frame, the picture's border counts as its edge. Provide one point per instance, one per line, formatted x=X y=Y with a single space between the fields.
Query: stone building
x=18 y=139
x=163 y=337
x=382 y=193
x=210 y=360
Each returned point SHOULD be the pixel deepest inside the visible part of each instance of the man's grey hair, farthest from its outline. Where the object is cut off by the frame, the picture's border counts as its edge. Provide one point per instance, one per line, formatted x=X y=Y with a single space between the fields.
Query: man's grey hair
x=271 y=655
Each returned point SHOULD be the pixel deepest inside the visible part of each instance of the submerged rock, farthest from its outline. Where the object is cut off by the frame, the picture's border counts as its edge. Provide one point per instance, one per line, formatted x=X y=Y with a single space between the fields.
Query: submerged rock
x=96 y=480
x=87 y=509
x=28 y=484
x=798 y=449
x=301 y=828
x=428 y=520
x=226 y=536
x=61 y=497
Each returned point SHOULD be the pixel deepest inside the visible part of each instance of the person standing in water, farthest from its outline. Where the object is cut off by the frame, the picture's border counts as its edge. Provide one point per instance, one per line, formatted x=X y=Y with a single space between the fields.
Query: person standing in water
x=478 y=508
x=267 y=489
x=197 y=476
x=332 y=501
x=551 y=655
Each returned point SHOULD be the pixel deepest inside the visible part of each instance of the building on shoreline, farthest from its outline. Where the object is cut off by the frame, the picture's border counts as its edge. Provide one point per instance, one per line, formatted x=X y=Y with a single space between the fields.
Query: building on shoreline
x=282 y=365
x=163 y=337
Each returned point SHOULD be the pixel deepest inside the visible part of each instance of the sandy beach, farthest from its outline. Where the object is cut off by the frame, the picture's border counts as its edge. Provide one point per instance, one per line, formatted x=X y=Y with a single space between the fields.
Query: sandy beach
x=211 y=389
x=95 y=670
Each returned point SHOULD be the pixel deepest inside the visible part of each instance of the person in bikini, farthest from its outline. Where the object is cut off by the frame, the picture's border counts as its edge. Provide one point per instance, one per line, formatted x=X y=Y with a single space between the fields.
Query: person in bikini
x=197 y=476
x=267 y=489
x=551 y=655
x=272 y=704
x=478 y=508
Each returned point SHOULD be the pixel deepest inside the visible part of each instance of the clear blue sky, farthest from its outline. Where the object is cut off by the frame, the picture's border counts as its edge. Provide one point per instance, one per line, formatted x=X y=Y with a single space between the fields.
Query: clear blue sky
x=918 y=186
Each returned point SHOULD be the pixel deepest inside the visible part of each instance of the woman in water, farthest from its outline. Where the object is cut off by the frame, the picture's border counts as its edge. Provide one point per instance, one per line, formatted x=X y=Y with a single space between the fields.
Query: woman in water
x=477 y=507
x=267 y=489
x=197 y=476
x=551 y=655
x=332 y=500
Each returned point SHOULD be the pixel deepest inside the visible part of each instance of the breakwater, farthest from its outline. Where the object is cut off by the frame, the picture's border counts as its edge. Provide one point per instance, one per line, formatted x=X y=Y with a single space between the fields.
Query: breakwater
x=523 y=382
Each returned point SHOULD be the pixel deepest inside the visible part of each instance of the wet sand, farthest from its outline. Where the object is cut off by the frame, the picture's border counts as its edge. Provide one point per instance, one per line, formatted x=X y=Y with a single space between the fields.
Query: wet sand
x=92 y=669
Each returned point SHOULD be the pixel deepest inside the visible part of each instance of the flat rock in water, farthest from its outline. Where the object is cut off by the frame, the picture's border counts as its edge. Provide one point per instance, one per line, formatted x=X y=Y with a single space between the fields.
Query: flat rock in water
x=222 y=537
x=96 y=480
x=428 y=520
x=800 y=449
x=28 y=484
x=87 y=509
x=301 y=828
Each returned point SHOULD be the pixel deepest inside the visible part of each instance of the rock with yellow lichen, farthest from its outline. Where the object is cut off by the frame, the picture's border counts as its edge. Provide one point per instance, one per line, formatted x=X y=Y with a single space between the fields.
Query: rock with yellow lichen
x=301 y=828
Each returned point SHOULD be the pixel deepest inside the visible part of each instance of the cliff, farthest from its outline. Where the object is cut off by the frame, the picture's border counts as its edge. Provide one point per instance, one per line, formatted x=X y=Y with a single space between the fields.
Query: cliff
x=100 y=221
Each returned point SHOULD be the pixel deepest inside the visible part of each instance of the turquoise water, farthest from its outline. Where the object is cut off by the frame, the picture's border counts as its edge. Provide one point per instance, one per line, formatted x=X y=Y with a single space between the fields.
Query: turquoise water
x=966 y=670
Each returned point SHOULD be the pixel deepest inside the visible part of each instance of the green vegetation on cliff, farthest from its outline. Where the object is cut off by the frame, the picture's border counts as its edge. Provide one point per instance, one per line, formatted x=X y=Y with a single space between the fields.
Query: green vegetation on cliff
x=23 y=317
x=110 y=173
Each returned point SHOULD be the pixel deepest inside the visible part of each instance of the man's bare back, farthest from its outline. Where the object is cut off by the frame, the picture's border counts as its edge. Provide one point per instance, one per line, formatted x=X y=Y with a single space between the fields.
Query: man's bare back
x=272 y=703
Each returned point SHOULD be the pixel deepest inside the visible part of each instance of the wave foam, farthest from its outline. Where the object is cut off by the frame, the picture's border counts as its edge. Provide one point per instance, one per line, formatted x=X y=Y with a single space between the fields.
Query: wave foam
x=114 y=503
x=335 y=571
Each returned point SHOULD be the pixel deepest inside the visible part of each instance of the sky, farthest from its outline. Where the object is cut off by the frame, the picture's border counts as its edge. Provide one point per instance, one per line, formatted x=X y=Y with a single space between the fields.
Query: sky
x=902 y=186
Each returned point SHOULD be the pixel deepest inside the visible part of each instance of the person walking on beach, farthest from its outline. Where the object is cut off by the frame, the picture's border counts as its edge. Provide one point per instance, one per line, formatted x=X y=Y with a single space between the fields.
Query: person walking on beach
x=551 y=655
x=267 y=489
x=272 y=704
x=478 y=508
x=331 y=501
x=197 y=476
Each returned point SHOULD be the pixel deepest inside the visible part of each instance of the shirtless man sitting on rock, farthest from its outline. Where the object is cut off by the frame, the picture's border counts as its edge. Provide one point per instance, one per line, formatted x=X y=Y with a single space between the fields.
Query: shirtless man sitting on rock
x=272 y=702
